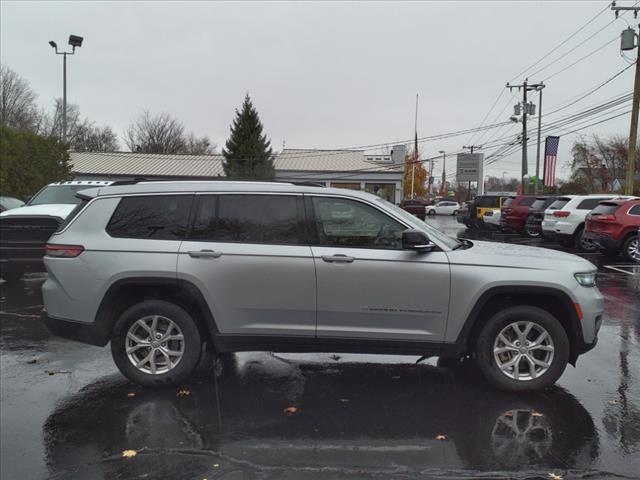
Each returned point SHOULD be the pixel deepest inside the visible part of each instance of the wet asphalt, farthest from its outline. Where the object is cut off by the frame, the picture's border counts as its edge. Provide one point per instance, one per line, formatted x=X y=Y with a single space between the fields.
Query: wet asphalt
x=66 y=413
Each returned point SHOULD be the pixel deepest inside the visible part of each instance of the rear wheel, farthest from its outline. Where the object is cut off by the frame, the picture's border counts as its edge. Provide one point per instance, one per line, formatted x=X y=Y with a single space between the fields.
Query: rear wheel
x=532 y=228
x=631 y=248
x=522 y=349
x=431 y=213
x=583 y=244
x=156 y=344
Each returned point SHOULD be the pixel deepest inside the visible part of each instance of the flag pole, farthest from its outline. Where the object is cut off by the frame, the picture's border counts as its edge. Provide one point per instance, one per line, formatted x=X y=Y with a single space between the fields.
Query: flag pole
x=415 y=151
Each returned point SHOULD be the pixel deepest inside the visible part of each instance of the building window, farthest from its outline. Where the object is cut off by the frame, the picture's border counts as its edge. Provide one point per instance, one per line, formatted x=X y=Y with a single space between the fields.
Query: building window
x=382 y=190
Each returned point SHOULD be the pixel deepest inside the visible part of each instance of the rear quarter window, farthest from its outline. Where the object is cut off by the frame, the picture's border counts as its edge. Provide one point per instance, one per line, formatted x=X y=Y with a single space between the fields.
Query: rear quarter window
x=154 y=217
x=527 y=202
x=559 y=204
x=605 y=209
x=635 y=210
x=74 y=213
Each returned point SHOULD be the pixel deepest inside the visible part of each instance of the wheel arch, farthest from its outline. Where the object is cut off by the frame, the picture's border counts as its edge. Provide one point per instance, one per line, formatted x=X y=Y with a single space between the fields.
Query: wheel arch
x=554 y=301
x=126 y=292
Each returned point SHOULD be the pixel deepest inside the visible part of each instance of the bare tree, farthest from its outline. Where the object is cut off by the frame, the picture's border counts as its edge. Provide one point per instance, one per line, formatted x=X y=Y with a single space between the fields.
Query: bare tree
x=17 y=101
x=156 y=134
x=90 y=138
x=163 y=133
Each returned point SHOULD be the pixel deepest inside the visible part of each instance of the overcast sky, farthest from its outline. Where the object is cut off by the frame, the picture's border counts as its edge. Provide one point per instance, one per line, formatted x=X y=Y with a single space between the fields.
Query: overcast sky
x=323 y=74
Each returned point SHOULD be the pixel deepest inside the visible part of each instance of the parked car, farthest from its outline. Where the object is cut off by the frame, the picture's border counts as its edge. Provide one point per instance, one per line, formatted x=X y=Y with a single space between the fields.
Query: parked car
x=415 y=206
x=492 y=218
x=613 y=226
x=514 y=212
x=24 y=230
x=7 y=203
x=564 y=220
x=159 y=269
x=463 y=215
x=482 y=203
x=533 y=224
x=444 y=207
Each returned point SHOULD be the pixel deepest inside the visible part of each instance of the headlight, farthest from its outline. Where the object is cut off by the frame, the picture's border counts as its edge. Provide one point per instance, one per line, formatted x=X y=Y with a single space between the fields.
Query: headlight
x=587 y=279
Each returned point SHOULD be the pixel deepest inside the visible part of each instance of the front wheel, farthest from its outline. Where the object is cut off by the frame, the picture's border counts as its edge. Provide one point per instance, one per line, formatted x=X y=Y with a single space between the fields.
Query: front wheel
x=431 y=213
x=156 y=344
x=532 y=228
x=522 y=349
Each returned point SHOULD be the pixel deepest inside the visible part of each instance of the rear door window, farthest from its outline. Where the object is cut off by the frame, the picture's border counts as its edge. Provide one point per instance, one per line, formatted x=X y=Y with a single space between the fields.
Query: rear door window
x=590 y=203
x=263 y=219
x=154 y=217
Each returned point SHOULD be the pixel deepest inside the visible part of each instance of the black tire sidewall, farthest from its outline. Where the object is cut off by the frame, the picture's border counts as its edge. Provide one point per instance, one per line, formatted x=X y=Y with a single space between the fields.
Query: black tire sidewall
x=484 y=348
x=625 y=248
x=192 y=346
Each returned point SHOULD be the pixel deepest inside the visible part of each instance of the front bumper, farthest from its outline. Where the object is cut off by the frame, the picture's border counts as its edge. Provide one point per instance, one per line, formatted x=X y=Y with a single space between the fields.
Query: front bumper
x=90 y=333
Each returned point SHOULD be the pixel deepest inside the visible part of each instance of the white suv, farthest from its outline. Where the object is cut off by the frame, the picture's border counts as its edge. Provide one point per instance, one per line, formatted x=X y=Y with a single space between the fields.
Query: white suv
x=564 y=219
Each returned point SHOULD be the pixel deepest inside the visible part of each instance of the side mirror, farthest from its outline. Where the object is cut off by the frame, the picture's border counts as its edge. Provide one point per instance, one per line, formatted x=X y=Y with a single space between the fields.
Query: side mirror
x=416 y=240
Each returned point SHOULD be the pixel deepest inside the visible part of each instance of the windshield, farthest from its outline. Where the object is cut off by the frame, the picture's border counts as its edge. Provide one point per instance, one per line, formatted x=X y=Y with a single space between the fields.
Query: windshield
x=428 y=229
x=10 y=202
x=57 y=194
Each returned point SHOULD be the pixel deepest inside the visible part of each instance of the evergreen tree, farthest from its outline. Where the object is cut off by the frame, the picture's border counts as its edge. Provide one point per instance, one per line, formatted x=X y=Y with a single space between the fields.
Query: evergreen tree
x=247 y=153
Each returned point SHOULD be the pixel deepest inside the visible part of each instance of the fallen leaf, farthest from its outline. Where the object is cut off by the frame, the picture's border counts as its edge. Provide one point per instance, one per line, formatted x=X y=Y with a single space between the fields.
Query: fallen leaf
x=335 y=358
x=291 y=410
x=537 y=414
x=54 y=372
x=441 y=437
x=131 y=394
x=183 y=393
x=553 y=476
x=32 y=361
x=129 y=453
x=613 y=402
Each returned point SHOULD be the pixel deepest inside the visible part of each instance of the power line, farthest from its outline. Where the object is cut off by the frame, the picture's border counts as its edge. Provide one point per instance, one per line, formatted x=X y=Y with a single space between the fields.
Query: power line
x=582 y=58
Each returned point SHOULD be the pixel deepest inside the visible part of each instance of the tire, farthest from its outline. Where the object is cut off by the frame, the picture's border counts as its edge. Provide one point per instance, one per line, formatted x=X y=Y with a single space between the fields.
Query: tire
x=11 y=276
x=581 y=244
x=628 y=247
x=455 y=213
x=500 y=323
x=190 y=346
x=529 y=230
x=431 y=213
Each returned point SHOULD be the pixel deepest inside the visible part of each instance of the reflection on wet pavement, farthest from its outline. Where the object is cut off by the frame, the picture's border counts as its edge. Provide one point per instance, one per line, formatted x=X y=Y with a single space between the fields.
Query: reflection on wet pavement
x=67 y=413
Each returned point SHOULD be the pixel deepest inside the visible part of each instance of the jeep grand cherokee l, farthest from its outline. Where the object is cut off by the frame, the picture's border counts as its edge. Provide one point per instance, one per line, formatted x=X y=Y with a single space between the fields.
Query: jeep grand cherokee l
x=161 y=269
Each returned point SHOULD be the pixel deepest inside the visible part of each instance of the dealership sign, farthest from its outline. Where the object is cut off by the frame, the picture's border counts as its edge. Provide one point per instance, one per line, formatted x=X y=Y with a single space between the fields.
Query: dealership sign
x=469 y=167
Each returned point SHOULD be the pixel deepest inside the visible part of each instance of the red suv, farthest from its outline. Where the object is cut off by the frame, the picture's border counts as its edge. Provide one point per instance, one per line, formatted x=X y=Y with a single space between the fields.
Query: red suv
x=415 y=206
x=514 y=212
x=614 y=226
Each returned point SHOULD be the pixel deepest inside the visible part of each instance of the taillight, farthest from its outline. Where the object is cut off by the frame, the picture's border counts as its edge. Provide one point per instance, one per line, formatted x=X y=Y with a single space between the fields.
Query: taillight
x=605 y=218
x=64 y=251
x=560 y=213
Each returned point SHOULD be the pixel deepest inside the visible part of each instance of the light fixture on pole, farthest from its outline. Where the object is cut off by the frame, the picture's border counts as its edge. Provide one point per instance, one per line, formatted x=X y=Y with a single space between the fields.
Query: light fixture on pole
x=74 y=41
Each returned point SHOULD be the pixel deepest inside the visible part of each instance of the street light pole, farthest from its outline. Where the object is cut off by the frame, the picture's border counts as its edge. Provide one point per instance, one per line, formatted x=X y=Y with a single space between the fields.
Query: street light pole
x=74 y=41
x=443 y=188
x=541 y=86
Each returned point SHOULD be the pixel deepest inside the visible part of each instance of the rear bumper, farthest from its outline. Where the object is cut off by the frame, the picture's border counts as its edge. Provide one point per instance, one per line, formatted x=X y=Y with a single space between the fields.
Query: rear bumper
x=603 y=241
x=90 y=333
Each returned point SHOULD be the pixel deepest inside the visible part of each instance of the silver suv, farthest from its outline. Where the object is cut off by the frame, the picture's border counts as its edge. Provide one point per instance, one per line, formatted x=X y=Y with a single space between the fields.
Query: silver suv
x=164 y=270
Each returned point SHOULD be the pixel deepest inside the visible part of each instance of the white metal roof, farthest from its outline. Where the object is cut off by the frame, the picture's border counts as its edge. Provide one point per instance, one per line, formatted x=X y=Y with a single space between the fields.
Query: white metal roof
x=162 y=165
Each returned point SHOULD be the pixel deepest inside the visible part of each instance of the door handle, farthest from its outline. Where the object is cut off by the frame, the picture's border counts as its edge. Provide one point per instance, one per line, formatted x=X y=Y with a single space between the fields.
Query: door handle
x=338 y=258
x=204 y=254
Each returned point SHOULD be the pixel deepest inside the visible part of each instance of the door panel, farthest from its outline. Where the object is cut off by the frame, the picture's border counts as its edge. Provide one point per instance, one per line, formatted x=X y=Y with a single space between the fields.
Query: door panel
x=247 y=255
x=368 y=287
x=390 y=294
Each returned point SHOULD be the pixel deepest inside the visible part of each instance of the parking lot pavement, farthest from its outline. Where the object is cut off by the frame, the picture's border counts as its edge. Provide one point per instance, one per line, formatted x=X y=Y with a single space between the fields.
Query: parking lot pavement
x=65 y=412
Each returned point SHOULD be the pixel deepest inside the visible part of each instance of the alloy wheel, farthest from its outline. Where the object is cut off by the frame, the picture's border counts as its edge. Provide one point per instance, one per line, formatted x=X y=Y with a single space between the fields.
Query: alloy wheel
x=523 y=350
x=154 y=344
x=634 y=249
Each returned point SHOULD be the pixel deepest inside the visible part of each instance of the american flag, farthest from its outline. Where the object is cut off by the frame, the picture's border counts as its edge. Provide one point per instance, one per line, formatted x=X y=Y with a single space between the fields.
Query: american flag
x=550 y=157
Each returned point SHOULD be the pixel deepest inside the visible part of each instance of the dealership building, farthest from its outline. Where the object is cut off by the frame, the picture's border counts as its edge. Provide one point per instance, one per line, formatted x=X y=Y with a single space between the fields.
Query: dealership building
x=352 y=169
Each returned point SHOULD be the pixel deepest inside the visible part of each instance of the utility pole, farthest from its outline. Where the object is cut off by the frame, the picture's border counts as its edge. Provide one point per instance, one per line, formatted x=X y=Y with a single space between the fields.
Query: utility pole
x=415 y=153
x=525 y=86
x=443 y=187
x=629 y=41
x=535 y=188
